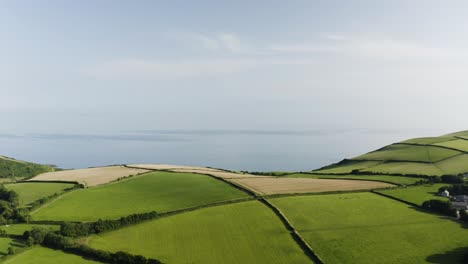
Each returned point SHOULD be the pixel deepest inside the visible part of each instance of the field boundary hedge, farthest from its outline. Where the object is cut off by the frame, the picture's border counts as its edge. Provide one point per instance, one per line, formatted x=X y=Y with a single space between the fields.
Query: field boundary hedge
x=294 y=233
x=396 y=199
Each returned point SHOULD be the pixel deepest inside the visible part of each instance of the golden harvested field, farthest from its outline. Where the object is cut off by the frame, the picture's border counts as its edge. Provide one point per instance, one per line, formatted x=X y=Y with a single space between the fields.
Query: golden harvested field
x=170 y=167
x=190 y=169
x=90 y=177
x=270 y=185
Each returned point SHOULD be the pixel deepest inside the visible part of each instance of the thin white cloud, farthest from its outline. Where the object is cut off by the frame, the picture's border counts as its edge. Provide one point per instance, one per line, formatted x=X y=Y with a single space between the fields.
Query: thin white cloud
x=140 y=69
x=365 y=47
x=230 y=42
x=218 y=42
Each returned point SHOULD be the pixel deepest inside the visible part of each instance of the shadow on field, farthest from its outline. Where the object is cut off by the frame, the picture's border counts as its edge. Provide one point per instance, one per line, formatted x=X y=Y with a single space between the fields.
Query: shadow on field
x=17 y=243
x=450 y=257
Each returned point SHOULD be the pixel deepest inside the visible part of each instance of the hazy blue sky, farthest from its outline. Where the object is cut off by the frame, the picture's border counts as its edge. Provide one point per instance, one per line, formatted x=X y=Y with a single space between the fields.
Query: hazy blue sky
x=96 y=66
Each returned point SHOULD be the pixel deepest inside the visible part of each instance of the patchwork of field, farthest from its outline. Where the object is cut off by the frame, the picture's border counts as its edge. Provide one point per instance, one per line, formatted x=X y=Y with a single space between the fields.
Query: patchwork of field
x=41 y=255
x=461 y=144
x=416 y=194
x=433 y=156
x=428 y=140
x=170 y=167
x=349 y=166
x=406 y=168
x=400 y=180
x=158 y=191
x=177 y=168
x=247 y=232
x=455 y=165
x=274 y=185
x=400 y=152
x=365 y=228
x=18 y=229
x=90 y=176
x=30 y=192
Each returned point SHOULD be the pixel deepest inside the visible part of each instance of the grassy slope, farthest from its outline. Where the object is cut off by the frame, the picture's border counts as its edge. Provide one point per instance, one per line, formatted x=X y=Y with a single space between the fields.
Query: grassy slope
x=406 y=168
x=416 y=194
x=384 y=178
x=245 y=232
x=41 y=255
x=10 y=168
x=349 y=166
x=31 y=192
x=366 y=228
x=460 y=144
x=18 y=229
x=159 y=191
x=455 y=165
x=409 y=153
x=440 y=161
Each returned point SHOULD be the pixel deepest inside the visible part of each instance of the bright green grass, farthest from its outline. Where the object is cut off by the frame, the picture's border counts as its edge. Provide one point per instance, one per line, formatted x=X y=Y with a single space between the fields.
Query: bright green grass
x=392 y=179
x=361 y=228
x=460 y=144
x=6 y=242
x=159 y=191
x=416 y=194
x=41 y=255
x=30 y=192
x=409 y=153
x=406 y=168
x=455 y=165
x=349 y=166
x=18 y=229
x=427 y=140
x=246 y=232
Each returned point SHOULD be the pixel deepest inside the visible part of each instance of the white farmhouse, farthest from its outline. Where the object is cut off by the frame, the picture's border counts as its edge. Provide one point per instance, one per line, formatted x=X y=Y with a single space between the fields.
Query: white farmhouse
x=445 y=194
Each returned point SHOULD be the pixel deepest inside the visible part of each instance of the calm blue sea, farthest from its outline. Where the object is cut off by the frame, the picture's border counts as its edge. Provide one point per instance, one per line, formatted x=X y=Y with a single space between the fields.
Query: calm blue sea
x=252 y=150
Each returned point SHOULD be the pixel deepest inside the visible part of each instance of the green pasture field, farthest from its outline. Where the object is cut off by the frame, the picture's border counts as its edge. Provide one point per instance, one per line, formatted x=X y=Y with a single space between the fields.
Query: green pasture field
x=416 y=194
x=349 y=166
x=361 y=228
x=400 y=180
x=460 y=144
x=41 y=255
x=247 y=232
x=30 y=192
x=406 y=168
x=6 y=242
x=159 y=191
x=428 y=140
x=455 y=165
x=18 y=229
x=409 y=153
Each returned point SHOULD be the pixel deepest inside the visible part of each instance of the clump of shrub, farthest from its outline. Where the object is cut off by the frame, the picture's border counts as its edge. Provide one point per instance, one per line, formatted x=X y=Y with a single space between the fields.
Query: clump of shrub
x=452 y=179
x=441 y=207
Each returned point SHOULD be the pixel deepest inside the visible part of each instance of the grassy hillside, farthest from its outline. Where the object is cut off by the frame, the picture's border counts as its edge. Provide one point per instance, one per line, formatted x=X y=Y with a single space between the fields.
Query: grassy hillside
x=367 y=228
x=41 y=255
x=159 y=191
x=30 y=192
x=246 y=232
x=11 y=168
x=433 y=156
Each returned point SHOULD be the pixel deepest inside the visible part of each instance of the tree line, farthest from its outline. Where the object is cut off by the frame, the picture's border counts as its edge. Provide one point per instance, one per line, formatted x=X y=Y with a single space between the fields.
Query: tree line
x=84 y=229
x=50 y=239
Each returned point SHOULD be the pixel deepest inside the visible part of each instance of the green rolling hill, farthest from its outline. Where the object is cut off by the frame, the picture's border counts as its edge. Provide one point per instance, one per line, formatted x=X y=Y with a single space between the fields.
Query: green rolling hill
x=12 y=168
x=428 y=156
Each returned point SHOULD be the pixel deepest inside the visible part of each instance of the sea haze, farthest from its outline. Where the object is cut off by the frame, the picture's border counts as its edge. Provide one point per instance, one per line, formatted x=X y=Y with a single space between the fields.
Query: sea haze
x=252 y=150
